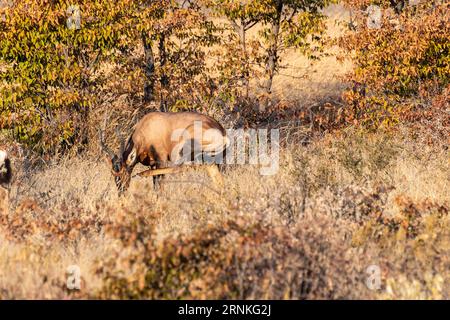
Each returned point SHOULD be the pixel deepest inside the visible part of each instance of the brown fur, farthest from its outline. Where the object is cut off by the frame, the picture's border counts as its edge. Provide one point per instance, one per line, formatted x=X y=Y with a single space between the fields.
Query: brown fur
x=5 y=178
x=152 y=135
x=151 y=144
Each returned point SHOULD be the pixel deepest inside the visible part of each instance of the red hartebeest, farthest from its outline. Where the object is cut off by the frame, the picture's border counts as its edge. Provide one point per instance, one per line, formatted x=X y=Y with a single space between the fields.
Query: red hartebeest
x=160 y=141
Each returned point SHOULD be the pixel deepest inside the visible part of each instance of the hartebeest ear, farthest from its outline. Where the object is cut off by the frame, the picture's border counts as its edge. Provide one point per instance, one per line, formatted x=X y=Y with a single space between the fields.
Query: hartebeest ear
x=132 y=157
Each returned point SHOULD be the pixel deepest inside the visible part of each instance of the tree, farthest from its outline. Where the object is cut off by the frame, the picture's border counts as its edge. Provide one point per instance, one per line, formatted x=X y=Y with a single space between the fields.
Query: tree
x=283 y=24
x=242 y=16
x=403 y=65
x=49 y=51
x=52 y=55
x=288 y=24
x=173 y=35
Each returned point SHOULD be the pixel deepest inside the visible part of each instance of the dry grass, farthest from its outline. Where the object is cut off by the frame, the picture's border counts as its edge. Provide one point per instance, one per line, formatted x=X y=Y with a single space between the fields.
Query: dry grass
x=338 y=205
x=342 y=203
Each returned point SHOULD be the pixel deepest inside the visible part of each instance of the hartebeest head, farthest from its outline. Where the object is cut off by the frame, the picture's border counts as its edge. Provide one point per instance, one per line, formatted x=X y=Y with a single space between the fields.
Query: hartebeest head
x=119 y=168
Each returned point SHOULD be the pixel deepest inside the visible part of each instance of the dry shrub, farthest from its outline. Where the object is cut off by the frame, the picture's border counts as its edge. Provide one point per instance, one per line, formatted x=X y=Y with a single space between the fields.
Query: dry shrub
x=60 y=223
x=291 y=116
x=431 y=125
x=400 y=66
x=413 y=249
x=4 y=200
x=239 y=259
x=335 y=207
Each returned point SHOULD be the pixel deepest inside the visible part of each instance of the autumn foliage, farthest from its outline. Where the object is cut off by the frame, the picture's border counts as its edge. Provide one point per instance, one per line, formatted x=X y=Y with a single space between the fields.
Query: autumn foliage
x=62 y=65
x=402 y=65
x=363 y=170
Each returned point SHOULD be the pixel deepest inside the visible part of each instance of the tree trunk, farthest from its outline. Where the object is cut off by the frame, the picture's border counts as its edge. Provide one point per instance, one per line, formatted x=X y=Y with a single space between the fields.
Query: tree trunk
x=245 y=74
x=149 y=85
x=164 y=80
x=272 y=58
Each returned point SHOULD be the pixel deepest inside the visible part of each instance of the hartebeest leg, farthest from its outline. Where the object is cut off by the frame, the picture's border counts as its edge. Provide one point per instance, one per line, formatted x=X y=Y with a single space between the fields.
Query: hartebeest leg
x=157 y=181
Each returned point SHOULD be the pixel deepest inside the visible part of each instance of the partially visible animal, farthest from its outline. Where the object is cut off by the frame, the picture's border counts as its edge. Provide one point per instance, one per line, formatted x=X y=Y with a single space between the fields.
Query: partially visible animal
x=5 y=179
x=160 y=141
x=5 y=168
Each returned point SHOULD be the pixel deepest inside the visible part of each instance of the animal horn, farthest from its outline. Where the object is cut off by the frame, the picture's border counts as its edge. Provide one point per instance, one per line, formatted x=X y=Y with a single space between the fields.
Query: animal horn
x=122 y=142
x=103 y=145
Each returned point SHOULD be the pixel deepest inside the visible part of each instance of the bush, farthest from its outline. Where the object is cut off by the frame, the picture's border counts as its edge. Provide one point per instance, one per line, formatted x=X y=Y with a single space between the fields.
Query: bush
x=54 y=72
x=399 y=66
x=240 y=259
x=46 y=68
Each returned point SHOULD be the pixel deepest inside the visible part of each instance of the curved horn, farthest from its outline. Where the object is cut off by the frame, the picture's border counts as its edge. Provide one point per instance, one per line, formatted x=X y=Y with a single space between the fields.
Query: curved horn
x=122 y=143
x=103 y=145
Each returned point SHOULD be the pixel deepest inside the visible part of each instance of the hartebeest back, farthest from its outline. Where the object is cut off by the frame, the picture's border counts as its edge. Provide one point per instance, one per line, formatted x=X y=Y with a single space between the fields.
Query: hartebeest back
x=160 y=141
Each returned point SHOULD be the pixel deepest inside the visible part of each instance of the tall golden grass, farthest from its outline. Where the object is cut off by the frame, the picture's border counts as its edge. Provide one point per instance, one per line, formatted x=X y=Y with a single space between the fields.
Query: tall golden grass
x=336 y=206
x=340 y=203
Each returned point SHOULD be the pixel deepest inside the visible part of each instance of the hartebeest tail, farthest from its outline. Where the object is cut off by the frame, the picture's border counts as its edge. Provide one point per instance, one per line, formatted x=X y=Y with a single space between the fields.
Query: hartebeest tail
x=164 y=141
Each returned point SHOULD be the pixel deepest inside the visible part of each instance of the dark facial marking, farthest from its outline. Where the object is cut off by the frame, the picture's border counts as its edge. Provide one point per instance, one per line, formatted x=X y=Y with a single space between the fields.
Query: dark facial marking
x=116 y=164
